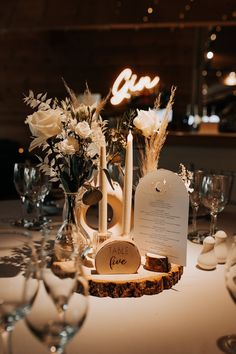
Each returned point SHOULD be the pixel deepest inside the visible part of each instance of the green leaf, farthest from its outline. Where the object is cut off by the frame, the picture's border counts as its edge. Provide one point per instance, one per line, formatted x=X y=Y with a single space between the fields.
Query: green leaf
x=92 y=196
x=39 y=95
x=43 y=98
x=65 y=180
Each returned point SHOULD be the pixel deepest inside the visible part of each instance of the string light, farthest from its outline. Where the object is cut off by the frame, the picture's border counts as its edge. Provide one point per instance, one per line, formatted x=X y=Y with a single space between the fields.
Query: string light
x=183 y=13
x=118 y=7
x=230 y=80
x=210 y=54
x=150 y=10
x=213 y=37
x=204 y=91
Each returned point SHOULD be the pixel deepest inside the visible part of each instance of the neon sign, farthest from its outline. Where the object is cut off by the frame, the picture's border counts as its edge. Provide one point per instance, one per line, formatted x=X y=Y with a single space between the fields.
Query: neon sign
x=126 y=83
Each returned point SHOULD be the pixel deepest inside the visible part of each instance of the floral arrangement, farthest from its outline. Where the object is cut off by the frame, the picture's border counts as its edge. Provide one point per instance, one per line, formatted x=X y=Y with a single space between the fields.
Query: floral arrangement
x=153 y=133
x=186 y=177
x=68 y=134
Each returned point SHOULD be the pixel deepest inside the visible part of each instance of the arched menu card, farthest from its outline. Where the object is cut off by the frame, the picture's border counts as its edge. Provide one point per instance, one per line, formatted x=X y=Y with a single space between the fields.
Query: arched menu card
x=161 y=215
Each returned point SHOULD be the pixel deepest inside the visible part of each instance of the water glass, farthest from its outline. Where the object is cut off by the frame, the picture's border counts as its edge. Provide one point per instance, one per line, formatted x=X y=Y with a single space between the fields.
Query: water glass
x=61 y=306
x=215 y=196
x=228 y=343
x=18 y=280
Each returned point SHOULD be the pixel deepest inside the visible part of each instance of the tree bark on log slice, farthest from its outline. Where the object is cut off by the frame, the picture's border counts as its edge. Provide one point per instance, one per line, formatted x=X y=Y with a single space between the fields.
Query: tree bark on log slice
x=133 y=285
x=157 y=263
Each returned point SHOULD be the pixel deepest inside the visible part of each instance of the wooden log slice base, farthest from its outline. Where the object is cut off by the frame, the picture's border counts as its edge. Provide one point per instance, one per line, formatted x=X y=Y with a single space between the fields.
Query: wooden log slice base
x=157 y=263
x=133 y=285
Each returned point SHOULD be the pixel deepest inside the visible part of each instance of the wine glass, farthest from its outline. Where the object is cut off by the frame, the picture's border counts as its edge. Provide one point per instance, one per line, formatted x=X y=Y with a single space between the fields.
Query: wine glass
x=18 y=280
x=56 y=318
x=195 y=201
x=38 y=186
x=228 y=343
x=20 y=183
x=215 y=195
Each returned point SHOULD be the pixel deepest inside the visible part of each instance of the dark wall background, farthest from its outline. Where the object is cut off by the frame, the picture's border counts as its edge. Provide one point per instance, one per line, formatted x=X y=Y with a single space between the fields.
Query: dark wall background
x=38 y=60
x=92 y=41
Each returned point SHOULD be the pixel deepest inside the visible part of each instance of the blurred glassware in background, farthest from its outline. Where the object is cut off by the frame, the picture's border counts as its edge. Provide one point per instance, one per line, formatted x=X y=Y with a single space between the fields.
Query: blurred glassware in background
x=227 y=118
x=56 y=318
x=228 y=343
x=20 y=183
x=196 y=235
x=18 y=281
x=32 y=186
x=215 y=196
x=191 y=120
x=38 y=186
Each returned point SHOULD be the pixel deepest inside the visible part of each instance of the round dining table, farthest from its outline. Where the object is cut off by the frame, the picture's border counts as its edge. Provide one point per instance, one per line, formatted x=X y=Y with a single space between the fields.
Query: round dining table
x=189 y=318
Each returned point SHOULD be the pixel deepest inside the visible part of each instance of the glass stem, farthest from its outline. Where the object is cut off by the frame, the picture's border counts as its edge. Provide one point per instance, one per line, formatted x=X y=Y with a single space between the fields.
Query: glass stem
x=23 y=208
x=60 y=351
x=62 y=316
x=53 y=350
x=194 y=219
x=38 y=209
x=6 y=342
x=213 y=224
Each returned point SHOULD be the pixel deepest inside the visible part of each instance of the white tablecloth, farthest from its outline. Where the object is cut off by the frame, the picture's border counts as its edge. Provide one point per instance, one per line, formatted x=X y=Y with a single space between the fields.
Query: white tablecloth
x=187 y=319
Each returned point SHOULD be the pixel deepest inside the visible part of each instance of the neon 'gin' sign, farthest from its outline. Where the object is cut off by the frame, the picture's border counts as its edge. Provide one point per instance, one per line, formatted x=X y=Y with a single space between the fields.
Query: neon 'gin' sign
x=126 y=83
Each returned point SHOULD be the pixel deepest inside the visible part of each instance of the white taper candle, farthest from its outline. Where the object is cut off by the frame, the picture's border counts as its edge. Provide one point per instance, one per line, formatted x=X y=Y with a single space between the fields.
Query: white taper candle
x=128 y=185
x=102 y=209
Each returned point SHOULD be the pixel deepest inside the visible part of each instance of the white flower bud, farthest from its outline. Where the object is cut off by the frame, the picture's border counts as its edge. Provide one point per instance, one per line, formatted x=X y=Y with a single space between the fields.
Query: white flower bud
x=147 y=121
x=69 y=146
x=83 y=129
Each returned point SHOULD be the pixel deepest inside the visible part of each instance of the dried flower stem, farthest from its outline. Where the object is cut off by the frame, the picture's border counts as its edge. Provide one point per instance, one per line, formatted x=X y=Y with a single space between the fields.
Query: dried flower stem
x=153 y=145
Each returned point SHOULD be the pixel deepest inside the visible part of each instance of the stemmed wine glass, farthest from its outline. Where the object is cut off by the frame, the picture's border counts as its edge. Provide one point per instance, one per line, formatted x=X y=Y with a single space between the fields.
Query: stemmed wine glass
x=38 y=186
x=18 y=281
x=195 y=201
x=56 y=318
x=32 y=186
x=228 y=343
x=20 y=183
x=215 y=195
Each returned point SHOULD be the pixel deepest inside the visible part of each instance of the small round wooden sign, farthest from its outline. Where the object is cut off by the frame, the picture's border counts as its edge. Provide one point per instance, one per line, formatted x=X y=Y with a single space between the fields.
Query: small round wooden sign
x=117 y=256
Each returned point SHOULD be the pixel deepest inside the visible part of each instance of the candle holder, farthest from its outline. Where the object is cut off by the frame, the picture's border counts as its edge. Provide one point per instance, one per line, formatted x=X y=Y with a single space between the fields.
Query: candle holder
x=99 y=238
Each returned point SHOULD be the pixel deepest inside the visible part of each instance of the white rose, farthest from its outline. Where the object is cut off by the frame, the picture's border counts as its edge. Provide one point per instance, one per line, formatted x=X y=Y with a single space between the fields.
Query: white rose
x=147 y=121
x=45 y=123
x=83 y=129
x=69 y=146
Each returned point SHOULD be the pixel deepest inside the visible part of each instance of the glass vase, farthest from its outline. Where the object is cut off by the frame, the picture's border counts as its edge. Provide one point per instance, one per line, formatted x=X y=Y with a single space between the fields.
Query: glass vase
x=71 y=237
